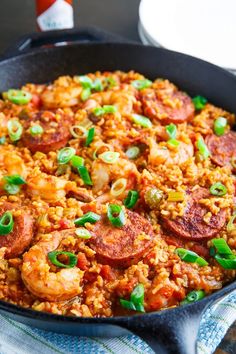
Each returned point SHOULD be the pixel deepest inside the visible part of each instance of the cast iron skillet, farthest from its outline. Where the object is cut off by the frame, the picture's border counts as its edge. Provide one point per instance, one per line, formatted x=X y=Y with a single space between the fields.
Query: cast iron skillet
x=169 y=331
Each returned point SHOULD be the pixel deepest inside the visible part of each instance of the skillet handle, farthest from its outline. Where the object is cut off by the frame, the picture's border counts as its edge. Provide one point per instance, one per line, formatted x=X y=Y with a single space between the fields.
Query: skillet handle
x=38 y=40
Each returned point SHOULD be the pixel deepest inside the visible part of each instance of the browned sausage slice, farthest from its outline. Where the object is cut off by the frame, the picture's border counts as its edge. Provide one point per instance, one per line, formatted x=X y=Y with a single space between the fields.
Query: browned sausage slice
x=55 y=134
x=167 y=104
x=121 y=247
x=191 y=225
x=222 y=148
x=19 y=239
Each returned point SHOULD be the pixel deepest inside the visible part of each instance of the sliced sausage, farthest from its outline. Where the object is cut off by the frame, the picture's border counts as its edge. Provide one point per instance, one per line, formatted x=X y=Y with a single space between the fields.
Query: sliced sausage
x=55 y=134
x=191 y=225
x=167 y=104
x=222 y=148
x=121 y=247
x=20 y=237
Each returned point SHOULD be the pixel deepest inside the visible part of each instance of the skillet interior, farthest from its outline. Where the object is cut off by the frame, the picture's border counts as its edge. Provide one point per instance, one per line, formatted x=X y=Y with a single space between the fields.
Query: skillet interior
x=192 y=75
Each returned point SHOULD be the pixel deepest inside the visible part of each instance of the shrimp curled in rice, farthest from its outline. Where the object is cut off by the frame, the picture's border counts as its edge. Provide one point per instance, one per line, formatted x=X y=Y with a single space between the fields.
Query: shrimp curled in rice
x=41 y=280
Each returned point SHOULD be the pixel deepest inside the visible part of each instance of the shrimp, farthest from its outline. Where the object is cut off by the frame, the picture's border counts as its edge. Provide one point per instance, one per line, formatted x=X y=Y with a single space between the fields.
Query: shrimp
x=63 y=93
x=122 y=100
x=41 y=280
x=102 y=173
x=52 y=188
x=161 y=154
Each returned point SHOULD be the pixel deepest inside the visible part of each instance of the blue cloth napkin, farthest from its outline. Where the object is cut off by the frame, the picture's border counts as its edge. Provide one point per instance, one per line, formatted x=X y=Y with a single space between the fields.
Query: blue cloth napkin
x=16 y=338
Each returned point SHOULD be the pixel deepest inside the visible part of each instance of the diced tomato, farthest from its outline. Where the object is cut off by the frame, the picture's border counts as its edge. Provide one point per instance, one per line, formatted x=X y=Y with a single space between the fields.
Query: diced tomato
x=82 y=262
x=107 y=273
x=201 y=250
x=36 y=100
x=125 y=288
x=163 y=298
x=64 y=224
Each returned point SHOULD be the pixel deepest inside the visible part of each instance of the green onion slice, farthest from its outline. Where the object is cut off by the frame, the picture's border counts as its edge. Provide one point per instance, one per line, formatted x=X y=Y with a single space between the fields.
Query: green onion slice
x=136 y=299
x=141 y=120
x=133 y=152
x=84 y=174
x=85 y=94
x=90 y=136
x=109 y=109
x=219 y=126
x=199 y=102
x=98 y=111
x=218 y=189
x=77 y=161
x=19 y=97
x=118 y=187
x=15 y=129
x=15 y=179
x=11 y=188
x=65 y=155
x=80 y=128
x=226 y=263
x=173 y=142
x=97 y=85
x=203 y=149
x=116 y=215
x=2 y=140
x=231 y=226
x=171 y=130
x=129 y=305
x=36 y=130
x=110 y=82
x=131 y=199
x=153 y=197
x=141 y=84
x=6 y=223
x=190 y=257
x=193 y=296
x=83 y=233
x=222 y=247
x=72 y=259
x=90 y=217
x=109 y=156
x=86 y=82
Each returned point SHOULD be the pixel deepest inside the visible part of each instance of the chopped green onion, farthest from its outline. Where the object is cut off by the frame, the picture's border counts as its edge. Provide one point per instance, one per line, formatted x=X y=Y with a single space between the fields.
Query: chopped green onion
x=133 y=152
x=129 y=305
x=101 y=147
x=110 y=81
x=226 y=263
x=141 y=120
x=118 y=187
x=65 y=155
x=97 y=85
x=88 y=217
x=203 y=149
x=131 y=199
x=6 y=223
x=80 y=128
x=222 y=247
x=19 y=97
x=15 y=179
x=61 y=170
x=116 y=215
x=11 y=188
x=153 y=197
x=199 y=102
x=77 y=161
x=84 y=174
x=193 y=296
x=219 y=126
x=86 y=82
x=141 y=84
x=218 y=189
x=176 y=197
x=83 y=233
x=190 y=257
x=109 y=156
x=72 y=259
x=173 y=142
x=36 y=130
x=2 y=140
x=231 y=226
x=90 y=136
x=15 y=129
x=171 y=130
x=109 y=109
x=85 y=94
x=98 y=111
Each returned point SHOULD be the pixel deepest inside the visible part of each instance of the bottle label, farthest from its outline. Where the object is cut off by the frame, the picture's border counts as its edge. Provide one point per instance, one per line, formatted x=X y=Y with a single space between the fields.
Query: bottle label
x=57 y=16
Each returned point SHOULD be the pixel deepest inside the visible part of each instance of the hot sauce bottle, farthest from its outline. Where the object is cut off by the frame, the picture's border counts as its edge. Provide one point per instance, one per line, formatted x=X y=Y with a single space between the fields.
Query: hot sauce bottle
x=54 y=14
